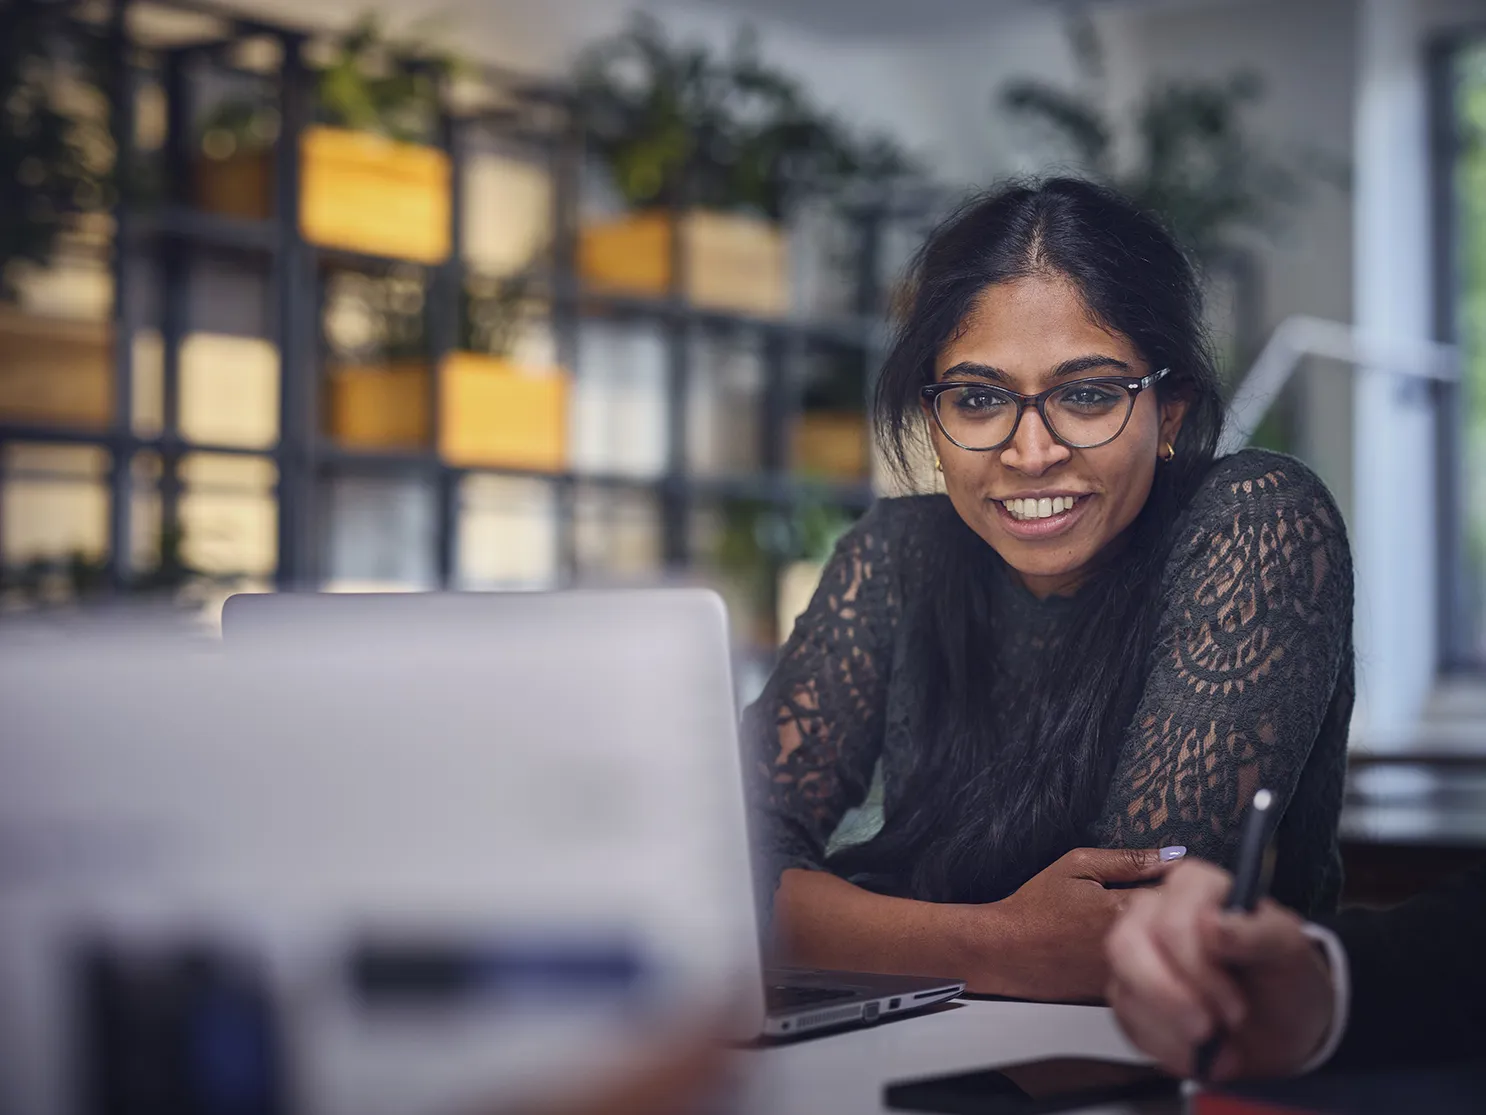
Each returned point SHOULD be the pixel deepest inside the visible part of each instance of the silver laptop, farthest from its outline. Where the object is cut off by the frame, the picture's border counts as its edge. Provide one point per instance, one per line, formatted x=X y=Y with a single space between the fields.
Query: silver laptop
x=544 y=630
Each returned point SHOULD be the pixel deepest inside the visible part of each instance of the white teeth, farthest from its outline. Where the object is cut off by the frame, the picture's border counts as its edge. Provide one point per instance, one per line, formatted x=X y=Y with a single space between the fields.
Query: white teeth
x=1039 y=508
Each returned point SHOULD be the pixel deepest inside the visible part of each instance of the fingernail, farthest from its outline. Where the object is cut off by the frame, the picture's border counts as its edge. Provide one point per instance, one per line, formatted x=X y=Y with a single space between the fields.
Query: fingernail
x=1171 y=853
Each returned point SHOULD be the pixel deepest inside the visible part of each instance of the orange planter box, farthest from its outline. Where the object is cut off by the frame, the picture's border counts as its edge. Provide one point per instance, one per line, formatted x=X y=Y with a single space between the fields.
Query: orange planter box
x=368 y=194
x=493 y=414
x=733 y=262
x=240 y=185
x=378 y=408
x=833 y=444
x=54 y=372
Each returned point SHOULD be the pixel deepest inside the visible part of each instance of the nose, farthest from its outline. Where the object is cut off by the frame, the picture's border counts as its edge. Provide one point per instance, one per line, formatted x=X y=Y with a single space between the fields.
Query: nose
x=1033 y=450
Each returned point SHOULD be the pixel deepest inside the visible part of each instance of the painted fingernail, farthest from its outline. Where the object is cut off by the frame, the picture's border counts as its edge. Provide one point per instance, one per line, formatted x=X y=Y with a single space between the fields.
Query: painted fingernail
x=1171 y=853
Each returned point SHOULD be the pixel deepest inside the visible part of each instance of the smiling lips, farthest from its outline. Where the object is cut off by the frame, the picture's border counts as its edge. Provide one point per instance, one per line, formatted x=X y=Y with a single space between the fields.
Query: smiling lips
x=1030 y=509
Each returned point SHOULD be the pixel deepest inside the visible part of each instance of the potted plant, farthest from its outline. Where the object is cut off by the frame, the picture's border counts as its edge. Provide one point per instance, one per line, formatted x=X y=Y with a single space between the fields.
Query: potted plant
x=767 y=553
x=1194 y=162
x=494 y=412
x=370 y=181
x=233 y=170
x=56 y=155
x=715 y=148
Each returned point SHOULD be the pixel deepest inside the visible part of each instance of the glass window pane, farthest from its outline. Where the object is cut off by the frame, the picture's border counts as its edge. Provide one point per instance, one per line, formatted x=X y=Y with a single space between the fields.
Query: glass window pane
x=619 y=401
x=229 y=514
x=381 y=533
x=229 y=391
x=725 y=399
x=507 y=533
x=507 y=211
x=53 y=504
x=617 y=534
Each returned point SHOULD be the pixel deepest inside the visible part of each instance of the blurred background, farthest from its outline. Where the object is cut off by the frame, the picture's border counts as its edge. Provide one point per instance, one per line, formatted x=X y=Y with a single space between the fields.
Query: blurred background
x=314 y=295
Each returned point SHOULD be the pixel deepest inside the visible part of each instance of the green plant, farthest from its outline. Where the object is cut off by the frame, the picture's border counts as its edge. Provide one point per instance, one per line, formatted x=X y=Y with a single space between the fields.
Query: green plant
x=392 y=88
x=56 y=153
x=679 y=124
x=492 y=311
x=237 y=125
x=1192 y=161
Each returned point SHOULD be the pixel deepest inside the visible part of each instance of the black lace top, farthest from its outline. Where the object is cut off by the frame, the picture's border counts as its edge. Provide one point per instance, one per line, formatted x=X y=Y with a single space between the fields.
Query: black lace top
x=1250 y=683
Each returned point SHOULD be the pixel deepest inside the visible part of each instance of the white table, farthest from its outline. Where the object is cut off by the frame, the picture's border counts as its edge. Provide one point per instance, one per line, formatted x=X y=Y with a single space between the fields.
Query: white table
x=844 y=1074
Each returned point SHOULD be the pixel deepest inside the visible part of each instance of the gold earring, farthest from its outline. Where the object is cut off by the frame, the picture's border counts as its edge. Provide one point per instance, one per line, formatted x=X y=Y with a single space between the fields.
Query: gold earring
x=1170 y=451
x=937 y=466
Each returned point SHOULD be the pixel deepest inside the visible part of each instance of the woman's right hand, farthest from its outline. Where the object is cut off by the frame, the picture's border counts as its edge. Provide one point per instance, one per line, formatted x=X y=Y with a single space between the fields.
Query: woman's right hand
x=1046 y=941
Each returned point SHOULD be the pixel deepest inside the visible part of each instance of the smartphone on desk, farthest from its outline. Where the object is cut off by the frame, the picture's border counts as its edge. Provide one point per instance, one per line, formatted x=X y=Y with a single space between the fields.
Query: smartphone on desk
x=1041 y=1087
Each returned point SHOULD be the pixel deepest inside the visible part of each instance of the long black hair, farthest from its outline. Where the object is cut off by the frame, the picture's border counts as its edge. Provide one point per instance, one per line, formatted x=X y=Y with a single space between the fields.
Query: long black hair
x=993 y=798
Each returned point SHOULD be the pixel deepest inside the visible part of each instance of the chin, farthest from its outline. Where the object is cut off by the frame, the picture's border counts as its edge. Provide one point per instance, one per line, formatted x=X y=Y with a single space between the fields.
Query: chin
x=1032 y=567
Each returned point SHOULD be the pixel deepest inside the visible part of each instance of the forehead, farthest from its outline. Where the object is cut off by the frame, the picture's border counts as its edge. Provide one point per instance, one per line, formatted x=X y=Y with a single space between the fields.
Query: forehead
x=1028 y=326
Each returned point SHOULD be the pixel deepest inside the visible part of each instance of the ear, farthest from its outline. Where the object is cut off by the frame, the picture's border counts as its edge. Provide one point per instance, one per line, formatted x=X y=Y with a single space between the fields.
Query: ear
x=1173 y=411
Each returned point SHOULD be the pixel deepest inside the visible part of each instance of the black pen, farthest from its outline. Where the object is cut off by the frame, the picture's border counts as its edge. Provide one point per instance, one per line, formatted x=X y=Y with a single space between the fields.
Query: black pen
x=1248 y=887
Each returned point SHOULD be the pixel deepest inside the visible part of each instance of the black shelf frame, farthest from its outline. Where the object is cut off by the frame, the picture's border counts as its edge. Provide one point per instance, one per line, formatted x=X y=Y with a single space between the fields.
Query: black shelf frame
x=174 y=234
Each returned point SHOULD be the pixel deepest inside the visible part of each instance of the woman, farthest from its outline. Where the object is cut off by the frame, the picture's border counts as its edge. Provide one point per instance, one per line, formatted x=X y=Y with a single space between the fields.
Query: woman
x=1099 y=638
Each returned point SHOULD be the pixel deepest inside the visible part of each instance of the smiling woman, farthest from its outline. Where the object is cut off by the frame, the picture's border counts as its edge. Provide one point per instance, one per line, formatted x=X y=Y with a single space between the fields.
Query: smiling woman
x=1096 y=645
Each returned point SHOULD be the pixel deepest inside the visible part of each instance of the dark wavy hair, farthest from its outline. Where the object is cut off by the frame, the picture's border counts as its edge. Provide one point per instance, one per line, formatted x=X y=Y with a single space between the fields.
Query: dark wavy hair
x=993 y=798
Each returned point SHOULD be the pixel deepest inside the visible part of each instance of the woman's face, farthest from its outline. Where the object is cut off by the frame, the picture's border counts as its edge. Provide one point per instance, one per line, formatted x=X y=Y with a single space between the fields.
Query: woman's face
x=1028 y=335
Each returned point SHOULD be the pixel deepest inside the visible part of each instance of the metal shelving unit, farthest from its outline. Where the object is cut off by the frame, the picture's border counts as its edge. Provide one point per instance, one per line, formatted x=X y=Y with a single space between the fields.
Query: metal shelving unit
x=171 y=236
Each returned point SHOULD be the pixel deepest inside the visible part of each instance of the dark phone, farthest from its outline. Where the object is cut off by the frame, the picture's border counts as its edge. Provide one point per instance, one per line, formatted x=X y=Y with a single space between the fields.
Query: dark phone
x=1034 y=1088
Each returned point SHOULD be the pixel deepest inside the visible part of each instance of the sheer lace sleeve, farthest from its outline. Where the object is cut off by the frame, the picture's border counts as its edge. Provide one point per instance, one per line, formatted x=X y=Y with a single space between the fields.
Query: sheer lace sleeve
x=812 y=739
x=1254 y=635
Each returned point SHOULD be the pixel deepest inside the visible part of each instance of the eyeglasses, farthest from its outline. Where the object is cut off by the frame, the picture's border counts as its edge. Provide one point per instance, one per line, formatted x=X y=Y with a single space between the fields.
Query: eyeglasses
x=1083 y=414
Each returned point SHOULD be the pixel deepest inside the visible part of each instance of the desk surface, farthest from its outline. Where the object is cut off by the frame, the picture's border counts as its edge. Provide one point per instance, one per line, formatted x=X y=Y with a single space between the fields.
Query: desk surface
x=844 y=1074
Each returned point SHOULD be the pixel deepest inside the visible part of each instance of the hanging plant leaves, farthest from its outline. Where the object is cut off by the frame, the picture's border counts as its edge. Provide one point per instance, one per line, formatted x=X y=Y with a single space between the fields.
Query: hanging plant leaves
x=679 y=124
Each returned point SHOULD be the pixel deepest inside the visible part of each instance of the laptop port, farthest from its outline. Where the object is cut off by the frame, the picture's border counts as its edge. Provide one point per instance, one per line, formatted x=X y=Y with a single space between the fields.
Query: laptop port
x=894 y=1004
x=870 y=1012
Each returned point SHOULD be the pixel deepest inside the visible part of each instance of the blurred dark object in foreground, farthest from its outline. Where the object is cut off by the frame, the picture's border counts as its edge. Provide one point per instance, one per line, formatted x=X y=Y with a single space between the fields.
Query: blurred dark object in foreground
x=185 y=1030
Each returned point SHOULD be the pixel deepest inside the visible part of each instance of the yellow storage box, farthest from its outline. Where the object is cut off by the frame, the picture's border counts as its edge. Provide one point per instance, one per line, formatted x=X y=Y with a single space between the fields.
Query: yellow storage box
x=832 y=444
x=379 y=408
x=364 y=193
x=494 y=414
x=240 y=185
x=55 y=372
x=733 y=262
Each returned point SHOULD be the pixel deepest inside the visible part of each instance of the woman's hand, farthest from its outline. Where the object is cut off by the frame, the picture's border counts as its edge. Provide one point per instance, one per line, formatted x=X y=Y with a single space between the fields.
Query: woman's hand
x=1046 y=941
x=1180 y=967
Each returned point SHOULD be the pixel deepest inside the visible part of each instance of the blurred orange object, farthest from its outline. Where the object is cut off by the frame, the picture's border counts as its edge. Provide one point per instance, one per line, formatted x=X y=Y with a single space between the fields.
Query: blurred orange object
x=379 y=407
x=55 y=372
x=240 y=185
x=732 y=262
x=368 y=194
x=831 y=443
x=494 y=414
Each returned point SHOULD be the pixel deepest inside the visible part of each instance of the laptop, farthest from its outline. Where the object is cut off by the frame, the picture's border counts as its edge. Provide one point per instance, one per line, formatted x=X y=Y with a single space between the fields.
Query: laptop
x=616 y=630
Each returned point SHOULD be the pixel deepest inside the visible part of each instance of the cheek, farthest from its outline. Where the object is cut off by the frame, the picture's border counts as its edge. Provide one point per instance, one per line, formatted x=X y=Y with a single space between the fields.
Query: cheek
x=1129 y=480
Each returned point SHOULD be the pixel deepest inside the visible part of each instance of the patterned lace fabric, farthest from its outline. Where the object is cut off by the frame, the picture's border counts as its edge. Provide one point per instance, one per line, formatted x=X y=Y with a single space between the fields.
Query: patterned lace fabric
x=1249 y=684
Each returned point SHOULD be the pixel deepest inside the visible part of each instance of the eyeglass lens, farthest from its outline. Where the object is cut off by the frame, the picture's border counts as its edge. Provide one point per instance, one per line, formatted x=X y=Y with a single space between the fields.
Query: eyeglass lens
x=978 y=416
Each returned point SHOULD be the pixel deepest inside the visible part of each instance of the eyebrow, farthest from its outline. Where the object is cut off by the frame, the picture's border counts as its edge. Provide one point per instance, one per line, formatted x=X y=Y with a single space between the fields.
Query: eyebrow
x=1072 y=367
